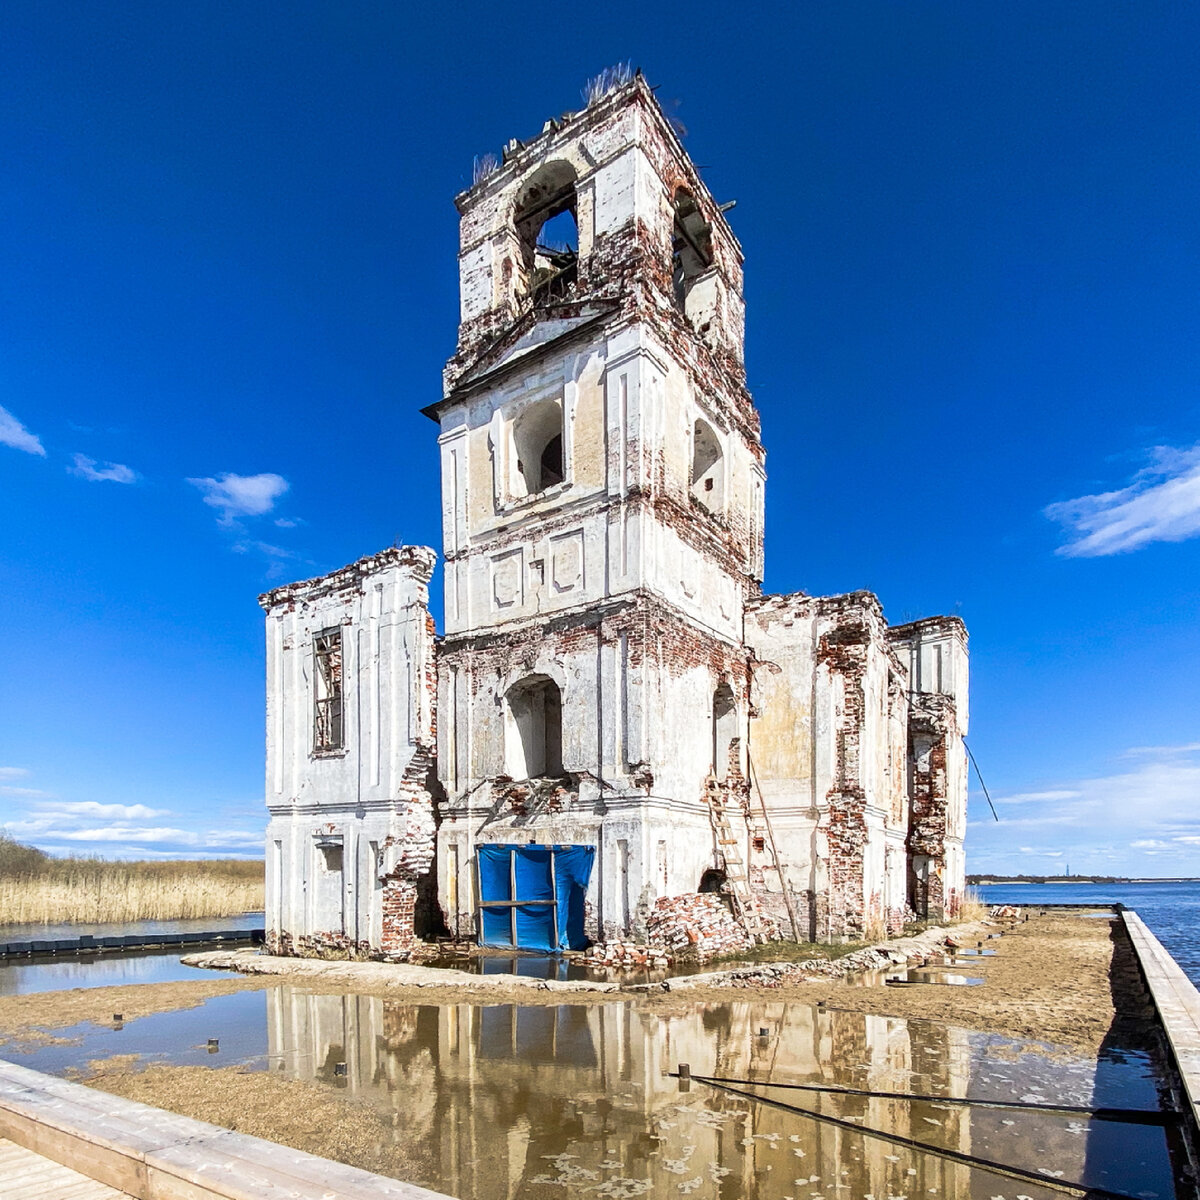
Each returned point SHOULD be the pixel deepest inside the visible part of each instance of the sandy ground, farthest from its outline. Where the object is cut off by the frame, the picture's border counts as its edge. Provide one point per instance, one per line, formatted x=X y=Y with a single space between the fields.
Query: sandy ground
x=1059 y=979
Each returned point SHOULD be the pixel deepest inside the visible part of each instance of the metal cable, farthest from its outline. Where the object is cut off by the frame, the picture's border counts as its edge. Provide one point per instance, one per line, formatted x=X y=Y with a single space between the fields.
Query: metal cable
x=969 y=1160
x=1129 y=1116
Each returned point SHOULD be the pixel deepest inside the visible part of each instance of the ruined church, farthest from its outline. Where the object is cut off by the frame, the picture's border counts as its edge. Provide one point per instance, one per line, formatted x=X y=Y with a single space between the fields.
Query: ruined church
x=615 y=717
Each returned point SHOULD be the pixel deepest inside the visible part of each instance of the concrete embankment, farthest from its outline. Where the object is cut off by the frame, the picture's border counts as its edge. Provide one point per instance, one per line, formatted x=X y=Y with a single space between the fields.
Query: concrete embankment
x=146 y=1153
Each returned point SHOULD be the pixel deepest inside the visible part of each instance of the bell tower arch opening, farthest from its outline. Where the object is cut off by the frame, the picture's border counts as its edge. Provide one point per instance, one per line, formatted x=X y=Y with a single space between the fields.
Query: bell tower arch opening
x=691 y=246
x=545 y=222
x=708 y=467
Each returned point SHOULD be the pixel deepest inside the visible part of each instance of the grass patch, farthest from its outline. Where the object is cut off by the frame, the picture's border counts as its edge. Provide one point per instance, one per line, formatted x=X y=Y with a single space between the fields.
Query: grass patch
x=37 y=888
x=786 y=951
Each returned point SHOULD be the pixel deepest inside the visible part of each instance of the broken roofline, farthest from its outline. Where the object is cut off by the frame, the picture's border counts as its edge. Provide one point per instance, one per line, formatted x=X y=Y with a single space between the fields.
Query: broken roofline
x=420 y=559
x=776 y=601
x=945 y=623
x=522 y=159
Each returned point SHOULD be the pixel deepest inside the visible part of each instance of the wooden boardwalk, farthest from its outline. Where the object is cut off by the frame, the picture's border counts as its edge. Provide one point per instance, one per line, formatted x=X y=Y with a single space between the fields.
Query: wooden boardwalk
x=1177 y=1001
x=28 y=1176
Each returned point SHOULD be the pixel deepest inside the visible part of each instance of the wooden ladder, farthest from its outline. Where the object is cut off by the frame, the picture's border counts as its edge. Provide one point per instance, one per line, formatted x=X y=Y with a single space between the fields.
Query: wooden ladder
x=729 y=848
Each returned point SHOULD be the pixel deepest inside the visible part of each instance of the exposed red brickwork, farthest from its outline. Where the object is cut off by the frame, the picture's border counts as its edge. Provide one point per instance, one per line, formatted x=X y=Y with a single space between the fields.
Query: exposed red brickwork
x=843 y=651
x=696 y=927
x=399 y=909
x=931 y=722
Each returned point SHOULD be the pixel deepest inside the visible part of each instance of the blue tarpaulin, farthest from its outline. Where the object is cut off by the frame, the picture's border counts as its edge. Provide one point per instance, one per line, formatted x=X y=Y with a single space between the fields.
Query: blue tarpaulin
x=531 y=890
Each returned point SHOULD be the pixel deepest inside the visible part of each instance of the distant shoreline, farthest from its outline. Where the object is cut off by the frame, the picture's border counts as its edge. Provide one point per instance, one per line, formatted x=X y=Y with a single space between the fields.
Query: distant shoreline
x=1000 y=880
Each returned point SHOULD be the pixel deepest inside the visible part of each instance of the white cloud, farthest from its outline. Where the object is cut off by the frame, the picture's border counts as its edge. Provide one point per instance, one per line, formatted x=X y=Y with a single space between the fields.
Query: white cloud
x=124 y=830
x=90 y=808
x=14 y=434
x=13 y=772
x=1151 y=808
x=29 y=793
x=96 y=472
x=1037 y=797
x=241 y=495
x=139 y=834
x=1161 y=503
x=1161 y=751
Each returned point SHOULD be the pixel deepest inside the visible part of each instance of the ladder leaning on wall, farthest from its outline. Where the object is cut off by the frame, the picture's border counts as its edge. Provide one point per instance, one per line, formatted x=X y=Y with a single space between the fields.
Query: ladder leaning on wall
x=747 y=911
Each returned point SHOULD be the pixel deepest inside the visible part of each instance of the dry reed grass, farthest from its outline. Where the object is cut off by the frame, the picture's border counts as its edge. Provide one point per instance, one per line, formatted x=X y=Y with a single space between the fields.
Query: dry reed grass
x=972 y=907
x=38 y=889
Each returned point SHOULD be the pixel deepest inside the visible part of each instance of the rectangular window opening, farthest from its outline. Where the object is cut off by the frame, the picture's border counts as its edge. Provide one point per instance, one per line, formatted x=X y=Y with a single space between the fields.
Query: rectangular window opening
x=327 y=691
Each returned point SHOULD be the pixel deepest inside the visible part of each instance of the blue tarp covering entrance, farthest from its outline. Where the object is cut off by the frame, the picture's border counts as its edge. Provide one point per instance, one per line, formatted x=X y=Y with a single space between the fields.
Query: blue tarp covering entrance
x=532 y=896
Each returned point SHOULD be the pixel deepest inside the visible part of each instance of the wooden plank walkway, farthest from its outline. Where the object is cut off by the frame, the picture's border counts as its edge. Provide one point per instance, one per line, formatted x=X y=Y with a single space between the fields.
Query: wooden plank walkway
x=28 y=1176
x=1177 y=1001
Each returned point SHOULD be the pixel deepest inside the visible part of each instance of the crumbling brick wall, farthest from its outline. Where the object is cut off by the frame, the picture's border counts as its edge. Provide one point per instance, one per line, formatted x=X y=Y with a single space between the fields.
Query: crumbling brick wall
x=843 y=652
x=931 y=725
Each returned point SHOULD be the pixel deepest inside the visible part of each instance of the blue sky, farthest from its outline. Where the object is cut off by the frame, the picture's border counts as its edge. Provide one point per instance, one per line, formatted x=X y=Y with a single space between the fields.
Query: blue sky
x=228 y=285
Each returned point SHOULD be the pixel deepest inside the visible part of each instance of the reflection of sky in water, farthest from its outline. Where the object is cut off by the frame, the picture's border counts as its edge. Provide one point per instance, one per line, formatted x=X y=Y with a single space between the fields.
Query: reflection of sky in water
x=543 y=1102
x=238 y=1021
x=20 y=976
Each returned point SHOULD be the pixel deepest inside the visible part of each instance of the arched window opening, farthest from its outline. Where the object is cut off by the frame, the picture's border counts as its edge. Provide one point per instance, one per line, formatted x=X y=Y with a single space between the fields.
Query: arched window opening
x=533 y=741
x=724 y=729
x=552 y=462
x=548 y=233
x=707 y=468
x=711 y=881
x=538 y=442
x=691 y=246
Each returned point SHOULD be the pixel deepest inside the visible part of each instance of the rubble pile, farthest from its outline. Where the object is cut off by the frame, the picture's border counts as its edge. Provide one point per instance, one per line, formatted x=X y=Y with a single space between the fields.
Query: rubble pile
x=1004 y=912
x=783 y=974
x=696 y=927
x=617 y=955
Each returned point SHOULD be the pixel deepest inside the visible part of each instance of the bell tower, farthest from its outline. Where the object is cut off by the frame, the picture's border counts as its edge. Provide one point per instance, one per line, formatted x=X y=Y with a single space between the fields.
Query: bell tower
x=602 y=493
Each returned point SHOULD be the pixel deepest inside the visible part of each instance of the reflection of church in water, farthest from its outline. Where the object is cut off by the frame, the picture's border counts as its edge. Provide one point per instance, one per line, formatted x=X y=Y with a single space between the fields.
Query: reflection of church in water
x=615 y=713
x=497 y=1100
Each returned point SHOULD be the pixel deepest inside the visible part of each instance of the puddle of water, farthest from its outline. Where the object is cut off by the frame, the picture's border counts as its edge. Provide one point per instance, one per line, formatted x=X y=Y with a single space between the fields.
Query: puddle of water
x=924 y=975
x=63 y=929
x=20 y=976
x=554 y=966
x=237 y=1021
x=506 y=1100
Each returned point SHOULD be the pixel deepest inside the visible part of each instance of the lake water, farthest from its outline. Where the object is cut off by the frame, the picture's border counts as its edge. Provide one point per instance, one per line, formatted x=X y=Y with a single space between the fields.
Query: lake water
x=542 y=1102
x=1171 y=910
x=62 y=929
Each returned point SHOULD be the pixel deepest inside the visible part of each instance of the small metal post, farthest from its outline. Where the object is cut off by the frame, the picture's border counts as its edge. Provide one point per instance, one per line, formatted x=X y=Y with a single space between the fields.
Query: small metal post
x=685 y=1077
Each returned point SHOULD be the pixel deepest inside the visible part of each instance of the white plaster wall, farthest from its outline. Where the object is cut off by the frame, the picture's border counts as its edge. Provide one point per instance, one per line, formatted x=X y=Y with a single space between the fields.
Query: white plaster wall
x=360 y=793
x=628 y=422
